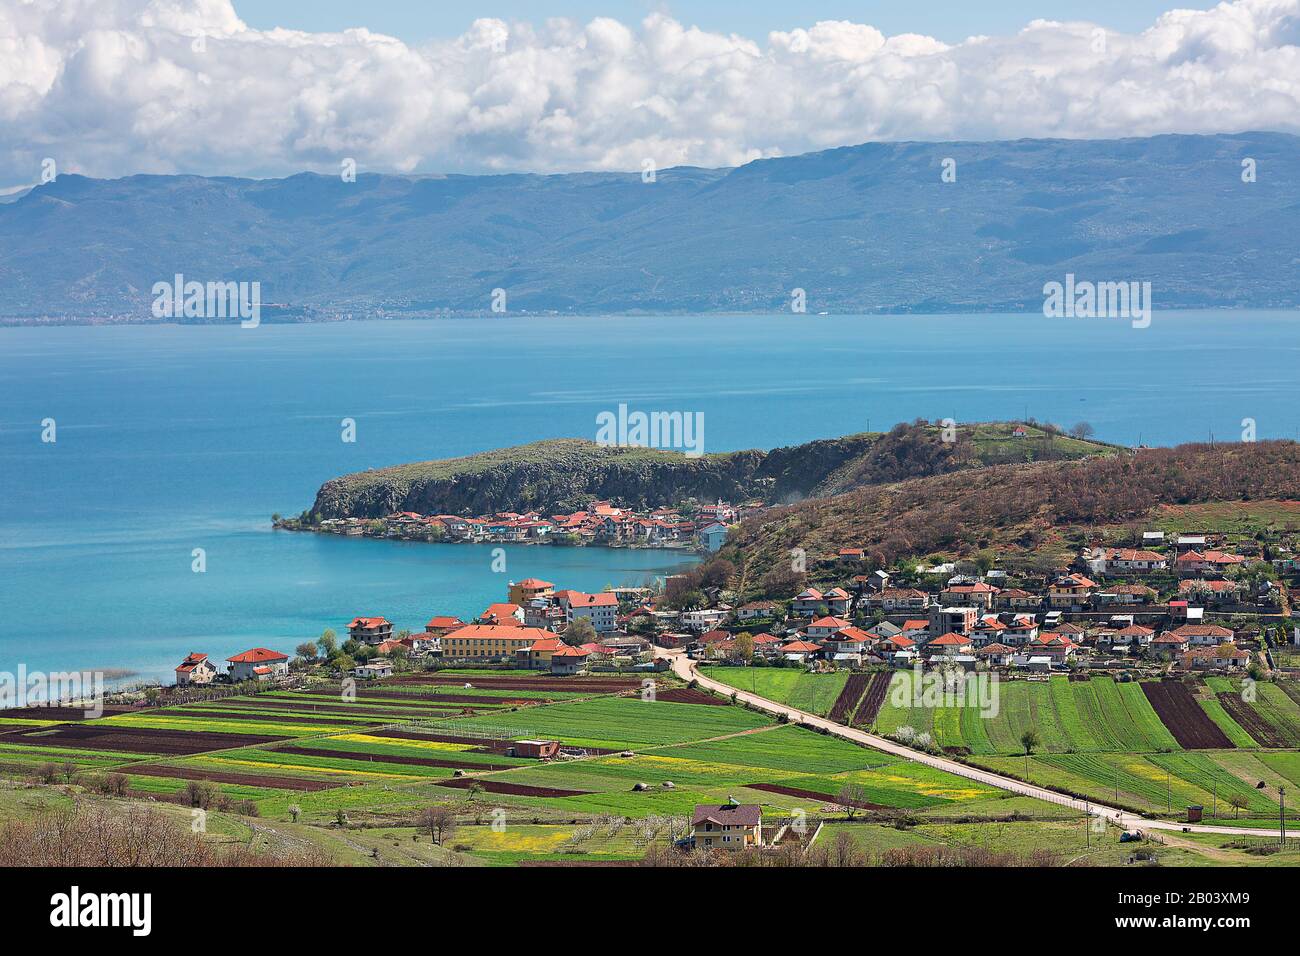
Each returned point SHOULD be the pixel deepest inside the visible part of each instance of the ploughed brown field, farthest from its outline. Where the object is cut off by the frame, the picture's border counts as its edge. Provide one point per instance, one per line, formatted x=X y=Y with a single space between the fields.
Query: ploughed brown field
x=514 y=789
x=242 y=779
x=390 y=758
x=273 y=718
x=1186 y=720
x=61 y=713
x=847 y=702
x=687 y=695
x=136 y=740
x=1240 y=711
x=873 y=699
x=312 y=707
x=812 y=795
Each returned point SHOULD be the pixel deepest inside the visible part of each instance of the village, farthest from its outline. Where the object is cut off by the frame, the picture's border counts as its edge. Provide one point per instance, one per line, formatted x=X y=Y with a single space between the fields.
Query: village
x=1182 y=604
x=692 y=526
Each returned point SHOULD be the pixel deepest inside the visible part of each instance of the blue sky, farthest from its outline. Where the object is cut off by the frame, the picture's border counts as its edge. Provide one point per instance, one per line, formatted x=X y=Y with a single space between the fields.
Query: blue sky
x=951 y=20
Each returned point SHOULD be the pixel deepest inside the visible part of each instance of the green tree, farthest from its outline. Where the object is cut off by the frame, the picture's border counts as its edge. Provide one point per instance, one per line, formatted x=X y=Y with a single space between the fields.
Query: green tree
x=580 y=632
x=1028 y=740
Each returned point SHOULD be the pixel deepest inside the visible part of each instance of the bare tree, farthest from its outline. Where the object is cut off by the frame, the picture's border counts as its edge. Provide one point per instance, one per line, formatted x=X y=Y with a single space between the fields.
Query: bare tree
x=439 y=821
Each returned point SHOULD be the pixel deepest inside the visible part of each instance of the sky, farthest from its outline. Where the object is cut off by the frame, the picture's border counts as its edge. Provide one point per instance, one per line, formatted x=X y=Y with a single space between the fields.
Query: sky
x=417 y=21
x=270 y=87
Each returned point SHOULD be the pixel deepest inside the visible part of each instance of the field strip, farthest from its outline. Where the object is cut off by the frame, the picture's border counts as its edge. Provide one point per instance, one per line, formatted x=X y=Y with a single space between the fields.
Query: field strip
x=686 y=669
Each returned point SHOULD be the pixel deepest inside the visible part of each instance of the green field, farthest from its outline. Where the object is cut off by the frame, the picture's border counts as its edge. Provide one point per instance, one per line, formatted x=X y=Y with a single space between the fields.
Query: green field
x=1068 y=716
x=813 y=693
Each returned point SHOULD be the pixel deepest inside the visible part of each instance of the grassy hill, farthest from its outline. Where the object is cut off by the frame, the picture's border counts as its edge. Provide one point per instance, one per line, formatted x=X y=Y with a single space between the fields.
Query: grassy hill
x=565 y=474
x=1024 y=506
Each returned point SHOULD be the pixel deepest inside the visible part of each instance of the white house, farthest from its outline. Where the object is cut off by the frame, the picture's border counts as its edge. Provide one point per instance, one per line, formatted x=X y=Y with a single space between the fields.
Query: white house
x=376 y=667
x=195 y=669
x=258 y=664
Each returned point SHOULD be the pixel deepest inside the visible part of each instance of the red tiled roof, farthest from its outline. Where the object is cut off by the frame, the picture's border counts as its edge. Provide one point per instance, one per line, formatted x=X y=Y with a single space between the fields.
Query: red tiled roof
x=257 y=655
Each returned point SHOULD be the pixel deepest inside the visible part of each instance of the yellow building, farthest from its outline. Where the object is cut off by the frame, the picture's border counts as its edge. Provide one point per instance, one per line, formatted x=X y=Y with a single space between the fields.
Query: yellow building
x=490 y=640
x=521 y=592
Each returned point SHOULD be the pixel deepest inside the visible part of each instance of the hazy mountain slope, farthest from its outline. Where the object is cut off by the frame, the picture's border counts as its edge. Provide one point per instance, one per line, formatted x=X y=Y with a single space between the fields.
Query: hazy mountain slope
x=869 y=227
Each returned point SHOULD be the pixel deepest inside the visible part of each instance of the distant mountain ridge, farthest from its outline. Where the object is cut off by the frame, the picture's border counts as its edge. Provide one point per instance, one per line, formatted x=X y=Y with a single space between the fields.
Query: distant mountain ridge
x=861 y=229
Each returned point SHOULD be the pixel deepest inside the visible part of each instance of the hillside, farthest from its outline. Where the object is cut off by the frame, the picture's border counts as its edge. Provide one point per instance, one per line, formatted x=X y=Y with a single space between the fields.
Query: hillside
x=861 y=229
x=565 y=474
x=1017 y=505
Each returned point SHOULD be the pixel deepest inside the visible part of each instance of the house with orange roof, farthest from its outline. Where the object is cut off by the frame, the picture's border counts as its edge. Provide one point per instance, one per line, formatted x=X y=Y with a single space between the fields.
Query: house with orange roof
x=1017 y=599
x=1070 y=591
x=1205 y=635
x=569 y=660
x=521 y=592
x=800 y=650
x=1198 y=562
x=441 y=624
x=1226 y=657
x=489 y=641
x=949 y=645
x=370 y=630
x=503 y=615
x=538 y=653
x=824 y=627
x=195 y=669
x=996 y=655
x=601 y=609
x=808 y=602
x=978 y=594
x=258 y=664
x=837 y=601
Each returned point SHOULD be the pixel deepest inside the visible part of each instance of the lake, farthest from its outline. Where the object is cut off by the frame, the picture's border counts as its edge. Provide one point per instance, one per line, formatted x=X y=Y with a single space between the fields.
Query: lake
x=174 y=438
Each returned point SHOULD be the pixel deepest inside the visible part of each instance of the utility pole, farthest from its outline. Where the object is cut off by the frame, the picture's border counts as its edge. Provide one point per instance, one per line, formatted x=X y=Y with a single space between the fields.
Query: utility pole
x=1281 y=816
x=1215 y=812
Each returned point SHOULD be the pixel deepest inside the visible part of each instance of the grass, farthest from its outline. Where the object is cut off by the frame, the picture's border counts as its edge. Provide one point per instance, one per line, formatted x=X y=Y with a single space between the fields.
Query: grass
x=814 y=693
x=1068 y=716
x=620 y=723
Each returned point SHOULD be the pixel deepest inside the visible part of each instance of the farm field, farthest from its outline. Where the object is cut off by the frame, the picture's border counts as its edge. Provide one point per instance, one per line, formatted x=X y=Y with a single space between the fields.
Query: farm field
x=1161 y=783
x=814 y=693
x=314 y=762
x=1097 y=715
x=350 y=776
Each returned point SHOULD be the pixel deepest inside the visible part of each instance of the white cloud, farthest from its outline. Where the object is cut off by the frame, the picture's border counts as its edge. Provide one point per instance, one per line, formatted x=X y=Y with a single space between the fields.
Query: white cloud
x=112 y=87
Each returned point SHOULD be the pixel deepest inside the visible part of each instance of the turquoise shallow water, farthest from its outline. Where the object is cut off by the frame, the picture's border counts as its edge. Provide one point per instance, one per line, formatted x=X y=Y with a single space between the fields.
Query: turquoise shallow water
x=173 y=438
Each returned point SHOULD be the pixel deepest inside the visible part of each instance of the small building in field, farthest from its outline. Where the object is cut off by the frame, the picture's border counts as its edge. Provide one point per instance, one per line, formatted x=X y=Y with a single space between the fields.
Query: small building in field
x=569 y=660
x=534 y=749
x=731 y=826
x=195 y=669
x=374 y=668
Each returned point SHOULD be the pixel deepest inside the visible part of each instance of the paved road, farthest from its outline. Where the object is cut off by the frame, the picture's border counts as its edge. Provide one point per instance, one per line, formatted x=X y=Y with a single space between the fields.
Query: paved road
x=686 y=669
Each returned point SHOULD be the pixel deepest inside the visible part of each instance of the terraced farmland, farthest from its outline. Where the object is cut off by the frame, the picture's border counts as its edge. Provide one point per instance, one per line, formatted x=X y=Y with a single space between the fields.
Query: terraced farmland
x=1094 y=715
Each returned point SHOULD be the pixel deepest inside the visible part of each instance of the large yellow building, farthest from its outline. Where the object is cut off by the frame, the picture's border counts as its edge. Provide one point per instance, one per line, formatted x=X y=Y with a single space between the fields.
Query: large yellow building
x=490 y=640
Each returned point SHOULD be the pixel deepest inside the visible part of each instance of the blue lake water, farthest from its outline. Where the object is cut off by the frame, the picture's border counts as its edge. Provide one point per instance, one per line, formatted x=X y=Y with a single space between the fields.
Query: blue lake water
x=174 y=438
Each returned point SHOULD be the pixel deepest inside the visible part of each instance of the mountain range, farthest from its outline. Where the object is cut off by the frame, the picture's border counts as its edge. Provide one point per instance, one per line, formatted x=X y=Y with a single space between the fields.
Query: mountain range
x=870 y=228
